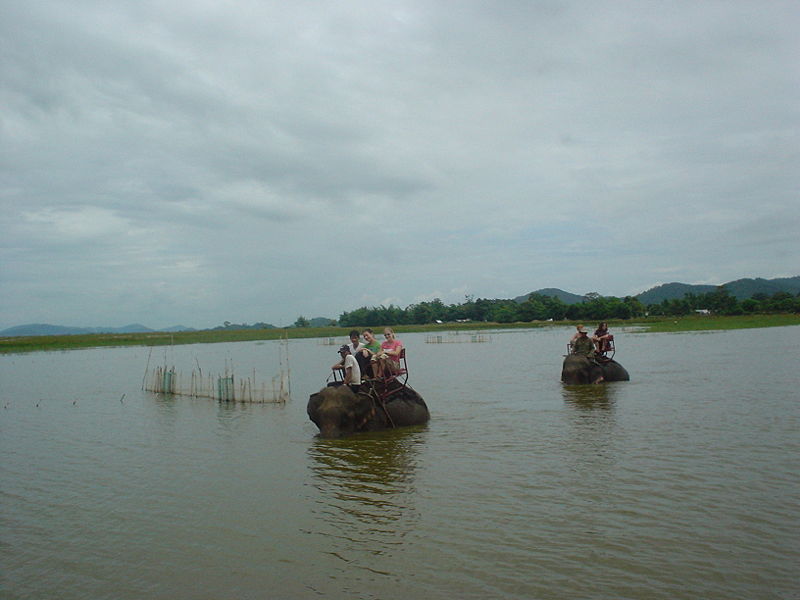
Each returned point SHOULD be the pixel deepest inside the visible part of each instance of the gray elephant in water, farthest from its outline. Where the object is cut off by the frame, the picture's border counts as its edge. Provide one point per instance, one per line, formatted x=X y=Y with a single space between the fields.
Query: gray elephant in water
x=579 y=369
x=338 y=411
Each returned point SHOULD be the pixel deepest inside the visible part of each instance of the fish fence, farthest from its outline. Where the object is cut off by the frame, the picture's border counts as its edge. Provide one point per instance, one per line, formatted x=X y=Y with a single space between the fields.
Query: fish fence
x=225 y=387
x=458 y=338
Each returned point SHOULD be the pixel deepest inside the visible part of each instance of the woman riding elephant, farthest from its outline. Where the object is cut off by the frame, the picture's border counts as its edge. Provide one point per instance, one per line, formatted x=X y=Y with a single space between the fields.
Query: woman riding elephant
x=603 y=338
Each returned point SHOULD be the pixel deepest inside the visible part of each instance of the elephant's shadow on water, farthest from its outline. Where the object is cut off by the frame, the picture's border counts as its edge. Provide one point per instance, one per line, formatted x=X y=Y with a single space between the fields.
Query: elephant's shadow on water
x=589 y=397
x=369 y=478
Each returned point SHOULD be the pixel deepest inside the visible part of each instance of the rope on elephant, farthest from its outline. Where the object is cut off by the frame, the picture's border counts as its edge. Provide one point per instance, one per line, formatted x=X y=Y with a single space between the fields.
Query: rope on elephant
x=377 y=399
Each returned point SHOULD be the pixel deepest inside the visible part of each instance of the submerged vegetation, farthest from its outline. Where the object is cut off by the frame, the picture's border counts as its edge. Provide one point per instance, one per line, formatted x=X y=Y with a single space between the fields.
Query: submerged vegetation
x=693 y=322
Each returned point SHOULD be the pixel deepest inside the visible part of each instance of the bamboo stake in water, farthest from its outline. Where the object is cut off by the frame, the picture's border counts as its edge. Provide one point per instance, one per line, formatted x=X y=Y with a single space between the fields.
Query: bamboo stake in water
x=147 y=367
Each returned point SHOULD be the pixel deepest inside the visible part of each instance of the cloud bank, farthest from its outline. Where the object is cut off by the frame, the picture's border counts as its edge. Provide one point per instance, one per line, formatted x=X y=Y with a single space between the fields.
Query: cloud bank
x=169 y=163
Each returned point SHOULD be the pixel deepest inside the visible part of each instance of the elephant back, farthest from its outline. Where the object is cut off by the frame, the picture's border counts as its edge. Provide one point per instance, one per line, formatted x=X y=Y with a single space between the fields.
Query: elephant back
x=407 y=408
x=613 y=371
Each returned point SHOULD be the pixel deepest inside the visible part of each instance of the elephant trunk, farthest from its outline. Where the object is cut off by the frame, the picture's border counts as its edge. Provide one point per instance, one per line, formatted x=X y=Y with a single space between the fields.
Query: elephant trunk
x=332 y=420
x=580 y=370
x=329 y=431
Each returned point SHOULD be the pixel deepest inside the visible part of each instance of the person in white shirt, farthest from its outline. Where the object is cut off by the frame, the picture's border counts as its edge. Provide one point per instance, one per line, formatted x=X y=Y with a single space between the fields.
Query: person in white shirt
x=349 y=365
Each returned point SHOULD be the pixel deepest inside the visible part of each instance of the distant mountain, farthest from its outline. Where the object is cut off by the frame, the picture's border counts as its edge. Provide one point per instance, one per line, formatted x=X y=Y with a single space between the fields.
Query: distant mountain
x=40 y=329
x=672 y=291
x=35 y=329
x=741 y=289
x=565 y=297
x=747 y=288
x=228 y=326
x=133 y=328
x=176 y=328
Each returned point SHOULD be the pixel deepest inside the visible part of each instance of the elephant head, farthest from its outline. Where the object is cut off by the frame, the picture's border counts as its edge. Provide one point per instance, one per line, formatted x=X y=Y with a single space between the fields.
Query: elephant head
x=578 y=369
x=338 y=411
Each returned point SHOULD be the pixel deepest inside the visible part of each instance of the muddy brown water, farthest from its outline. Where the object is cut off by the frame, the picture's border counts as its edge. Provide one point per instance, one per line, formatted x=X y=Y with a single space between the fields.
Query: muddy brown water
x=682 y=483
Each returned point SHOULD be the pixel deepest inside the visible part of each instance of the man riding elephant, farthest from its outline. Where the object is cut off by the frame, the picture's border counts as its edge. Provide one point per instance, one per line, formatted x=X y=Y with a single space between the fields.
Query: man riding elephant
x=582 y=344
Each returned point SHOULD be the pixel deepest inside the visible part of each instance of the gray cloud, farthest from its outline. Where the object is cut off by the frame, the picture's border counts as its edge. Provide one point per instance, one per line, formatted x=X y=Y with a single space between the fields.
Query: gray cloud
x=168 y=163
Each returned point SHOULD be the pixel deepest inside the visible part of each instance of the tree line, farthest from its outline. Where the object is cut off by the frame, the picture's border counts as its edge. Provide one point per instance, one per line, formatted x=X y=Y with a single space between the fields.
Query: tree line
x=542 y=308
x=721 y=302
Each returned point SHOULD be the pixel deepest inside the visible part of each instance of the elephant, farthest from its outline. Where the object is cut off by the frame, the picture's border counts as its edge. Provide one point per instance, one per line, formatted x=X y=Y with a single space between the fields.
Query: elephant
x=579 y=369
x=338 y=411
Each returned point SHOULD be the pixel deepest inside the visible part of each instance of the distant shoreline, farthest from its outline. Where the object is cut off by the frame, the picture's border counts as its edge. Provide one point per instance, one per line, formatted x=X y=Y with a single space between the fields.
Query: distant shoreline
x=17 y=345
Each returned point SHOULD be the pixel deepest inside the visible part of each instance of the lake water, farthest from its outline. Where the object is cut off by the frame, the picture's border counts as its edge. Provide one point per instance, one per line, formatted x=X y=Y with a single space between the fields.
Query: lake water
x=680 y=484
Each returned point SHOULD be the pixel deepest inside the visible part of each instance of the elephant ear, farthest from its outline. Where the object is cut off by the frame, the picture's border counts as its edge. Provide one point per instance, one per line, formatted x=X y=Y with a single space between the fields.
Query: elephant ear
x=314 y=402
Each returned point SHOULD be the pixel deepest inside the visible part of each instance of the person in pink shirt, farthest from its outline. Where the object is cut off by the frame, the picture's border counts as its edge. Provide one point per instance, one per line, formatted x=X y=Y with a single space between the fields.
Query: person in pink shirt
x=387 y=360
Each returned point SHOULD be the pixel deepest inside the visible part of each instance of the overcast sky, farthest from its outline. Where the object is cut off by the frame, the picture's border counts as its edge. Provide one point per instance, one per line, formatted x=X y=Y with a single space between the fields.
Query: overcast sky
x=169 y=162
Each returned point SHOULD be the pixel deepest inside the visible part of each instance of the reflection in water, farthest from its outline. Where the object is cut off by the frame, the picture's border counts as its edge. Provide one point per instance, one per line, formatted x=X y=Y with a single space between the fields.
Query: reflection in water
x=373 y=475
x=232 y=417
x=593 y=429
x=589 y=397
x=166 y=411
x=367 y=494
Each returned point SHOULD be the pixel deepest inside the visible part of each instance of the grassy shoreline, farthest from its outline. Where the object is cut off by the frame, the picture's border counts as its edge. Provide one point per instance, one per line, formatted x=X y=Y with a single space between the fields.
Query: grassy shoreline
x=17 y=345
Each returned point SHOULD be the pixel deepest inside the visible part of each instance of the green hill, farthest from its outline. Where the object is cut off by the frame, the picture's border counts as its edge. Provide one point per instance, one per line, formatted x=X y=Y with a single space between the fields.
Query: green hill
x=741 y=289
x=565 y=297
x=747 y=288
x=672 y=291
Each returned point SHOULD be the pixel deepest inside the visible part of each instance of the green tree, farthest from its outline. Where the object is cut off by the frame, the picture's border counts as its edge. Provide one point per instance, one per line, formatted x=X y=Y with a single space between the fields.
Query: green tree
x=455 y=312
x=420 y=313
x=719 y=301
x=505 y=315
x=750 y=306
x=504 y=312
x=782 y=302
x=533 y=309
x=438 y=309
x=301 y=322
x=636 y=307
x=479 y=309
